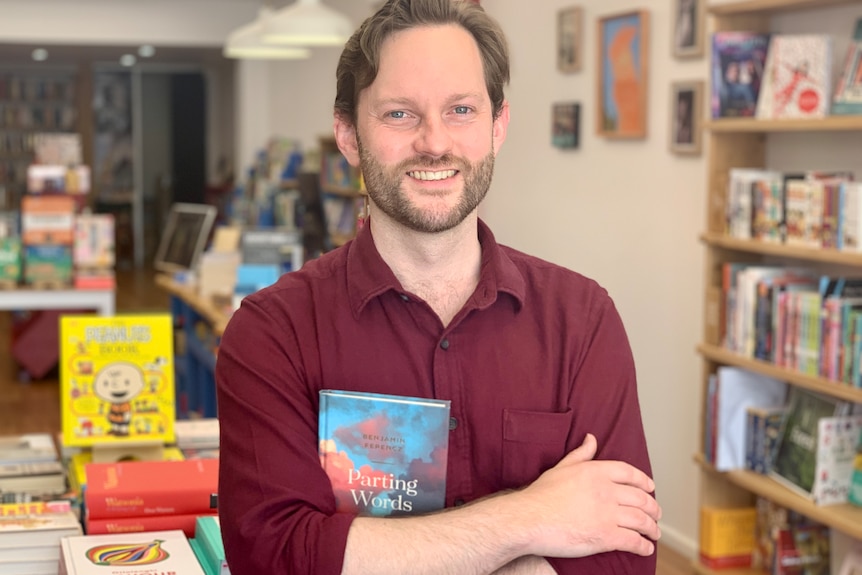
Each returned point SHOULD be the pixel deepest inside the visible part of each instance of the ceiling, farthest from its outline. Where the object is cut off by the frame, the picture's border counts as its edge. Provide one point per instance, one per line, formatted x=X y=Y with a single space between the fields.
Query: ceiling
x=13 y=55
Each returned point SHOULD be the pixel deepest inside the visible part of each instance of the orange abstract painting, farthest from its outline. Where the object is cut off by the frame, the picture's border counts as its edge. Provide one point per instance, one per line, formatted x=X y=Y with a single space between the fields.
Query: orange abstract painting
x=623 y=75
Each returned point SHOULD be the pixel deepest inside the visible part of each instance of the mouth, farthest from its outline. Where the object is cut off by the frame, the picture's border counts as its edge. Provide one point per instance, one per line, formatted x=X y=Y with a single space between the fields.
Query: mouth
x=432 y=176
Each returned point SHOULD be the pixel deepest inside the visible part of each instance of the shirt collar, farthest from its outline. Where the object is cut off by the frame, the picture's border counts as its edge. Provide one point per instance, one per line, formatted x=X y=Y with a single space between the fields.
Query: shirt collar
x=368 y=276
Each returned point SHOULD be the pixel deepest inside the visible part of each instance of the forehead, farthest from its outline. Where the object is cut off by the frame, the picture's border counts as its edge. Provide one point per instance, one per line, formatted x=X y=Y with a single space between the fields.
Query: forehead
x=429 y=59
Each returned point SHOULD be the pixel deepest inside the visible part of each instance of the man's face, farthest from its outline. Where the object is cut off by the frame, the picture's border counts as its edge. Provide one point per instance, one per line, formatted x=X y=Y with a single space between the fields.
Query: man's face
x=426 y=136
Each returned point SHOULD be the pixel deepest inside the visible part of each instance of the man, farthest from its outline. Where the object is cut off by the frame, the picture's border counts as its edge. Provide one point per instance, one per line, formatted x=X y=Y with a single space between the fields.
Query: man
x=548 y=466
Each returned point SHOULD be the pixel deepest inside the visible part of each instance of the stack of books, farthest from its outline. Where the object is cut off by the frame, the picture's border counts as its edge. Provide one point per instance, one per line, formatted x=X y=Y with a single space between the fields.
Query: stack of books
x=208 y=546
x=30 y=465
x=129 y=553
x=30 y=535
x=139 y=496
x=197 y=438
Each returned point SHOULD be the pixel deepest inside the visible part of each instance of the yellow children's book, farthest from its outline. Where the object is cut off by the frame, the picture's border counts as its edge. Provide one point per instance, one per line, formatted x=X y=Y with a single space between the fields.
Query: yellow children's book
x=117 y=379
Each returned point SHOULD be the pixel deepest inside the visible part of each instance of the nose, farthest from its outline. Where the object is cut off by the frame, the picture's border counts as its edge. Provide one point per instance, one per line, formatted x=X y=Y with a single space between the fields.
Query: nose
x=434 y=138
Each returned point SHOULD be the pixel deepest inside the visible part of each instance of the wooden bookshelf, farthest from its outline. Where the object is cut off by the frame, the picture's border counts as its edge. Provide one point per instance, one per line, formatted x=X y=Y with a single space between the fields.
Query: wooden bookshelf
x=747 y=143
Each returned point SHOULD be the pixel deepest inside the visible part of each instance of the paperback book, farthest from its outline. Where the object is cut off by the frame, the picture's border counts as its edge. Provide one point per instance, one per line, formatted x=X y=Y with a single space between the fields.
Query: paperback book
x=117 y=379
x=797 y=82
x=151 y=553
x=737 y=72
x=384 y=454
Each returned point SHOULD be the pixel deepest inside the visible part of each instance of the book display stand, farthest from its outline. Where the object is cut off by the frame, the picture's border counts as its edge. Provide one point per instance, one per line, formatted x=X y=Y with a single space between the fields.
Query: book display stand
x=128 y=451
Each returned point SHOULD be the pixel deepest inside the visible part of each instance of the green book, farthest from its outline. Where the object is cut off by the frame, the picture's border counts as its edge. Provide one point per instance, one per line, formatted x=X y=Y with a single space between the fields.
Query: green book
x=199 y=553
x=208 y=536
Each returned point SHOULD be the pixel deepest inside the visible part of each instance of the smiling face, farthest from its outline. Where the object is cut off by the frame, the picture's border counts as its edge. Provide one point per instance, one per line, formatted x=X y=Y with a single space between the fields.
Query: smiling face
x=426 y=136
x=118 y=382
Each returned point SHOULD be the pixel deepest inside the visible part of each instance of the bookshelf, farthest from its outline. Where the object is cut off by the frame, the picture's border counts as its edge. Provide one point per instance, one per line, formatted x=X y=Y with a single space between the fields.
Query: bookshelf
x=341 y=194
x=749 y=142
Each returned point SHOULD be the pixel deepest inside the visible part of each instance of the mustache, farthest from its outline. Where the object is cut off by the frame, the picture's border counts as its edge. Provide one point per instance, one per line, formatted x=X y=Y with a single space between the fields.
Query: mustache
x=425 y=163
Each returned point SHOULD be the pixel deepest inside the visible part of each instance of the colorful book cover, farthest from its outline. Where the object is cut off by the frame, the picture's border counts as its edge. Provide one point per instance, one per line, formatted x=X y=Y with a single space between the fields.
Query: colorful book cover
x=738 y=60
x=795 y=460
x=384 y=454
x=117 y=379
x=802 y=550
x=837 y=438
x=142 y=488
x=150 y=553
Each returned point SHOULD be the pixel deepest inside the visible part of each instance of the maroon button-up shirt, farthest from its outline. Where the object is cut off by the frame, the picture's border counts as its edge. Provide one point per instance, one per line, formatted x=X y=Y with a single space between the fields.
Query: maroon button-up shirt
x=537 y=358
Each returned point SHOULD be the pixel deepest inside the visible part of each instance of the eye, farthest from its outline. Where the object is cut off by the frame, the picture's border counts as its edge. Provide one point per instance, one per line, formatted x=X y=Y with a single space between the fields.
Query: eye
x=462 y=110
x=397 y=115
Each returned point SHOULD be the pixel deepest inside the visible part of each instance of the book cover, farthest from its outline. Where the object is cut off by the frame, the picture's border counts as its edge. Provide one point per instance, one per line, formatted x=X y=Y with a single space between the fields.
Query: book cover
x=795 y=458
x=142 y=488
x=727 y=536
x=150 y=553
x=837 y=438
x=37 y=529
x=384 y=454
x=117 y=379
x=738 y=60
x=802 y=550
x=848 y=94
x=799 y=77
x=185 y=522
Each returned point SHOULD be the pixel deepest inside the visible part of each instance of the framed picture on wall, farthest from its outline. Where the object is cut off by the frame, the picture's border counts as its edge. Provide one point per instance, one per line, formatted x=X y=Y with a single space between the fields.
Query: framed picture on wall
x=622 y=75
x=689 y=21
x=570 y=43
x=686 y=103
x=566 y=125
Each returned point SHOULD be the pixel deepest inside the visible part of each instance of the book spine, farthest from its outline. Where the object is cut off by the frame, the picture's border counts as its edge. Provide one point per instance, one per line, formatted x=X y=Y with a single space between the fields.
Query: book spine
x=185 y=522
x=117 y=504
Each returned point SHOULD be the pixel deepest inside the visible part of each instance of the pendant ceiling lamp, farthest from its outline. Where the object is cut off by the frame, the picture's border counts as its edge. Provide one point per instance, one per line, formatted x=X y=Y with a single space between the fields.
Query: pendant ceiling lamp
x=247 y=42
x=308 y=23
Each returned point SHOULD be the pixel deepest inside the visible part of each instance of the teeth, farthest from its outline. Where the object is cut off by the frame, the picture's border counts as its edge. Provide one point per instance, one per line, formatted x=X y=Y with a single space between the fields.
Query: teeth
x=432 y=176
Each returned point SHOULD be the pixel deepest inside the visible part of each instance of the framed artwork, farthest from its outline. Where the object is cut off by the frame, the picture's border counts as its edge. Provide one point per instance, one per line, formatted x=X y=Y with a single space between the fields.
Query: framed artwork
x=570 y=34
x=566 y=125
x=689 y=22
x=686 y=110
x=623 y=70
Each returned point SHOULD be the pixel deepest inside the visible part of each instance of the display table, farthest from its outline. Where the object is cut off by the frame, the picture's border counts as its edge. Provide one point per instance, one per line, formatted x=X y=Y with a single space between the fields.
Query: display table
x=198 y=327
x=101 y=301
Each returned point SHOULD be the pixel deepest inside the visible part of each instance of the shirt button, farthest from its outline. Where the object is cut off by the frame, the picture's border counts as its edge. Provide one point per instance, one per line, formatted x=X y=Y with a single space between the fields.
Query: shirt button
x=405 y=297
x=453 y=424
x=444 y=344
x=459 y=502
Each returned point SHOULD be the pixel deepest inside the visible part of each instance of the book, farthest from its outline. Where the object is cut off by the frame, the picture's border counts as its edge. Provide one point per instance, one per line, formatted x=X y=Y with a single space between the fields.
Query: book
x=197 y=433
x=848 y=93
x=208 y=535
x=117 y=379
x=41 y=566
x=762 y=427
x=43 y=529
x=727 y=536
x=38 y=478
x=28 y=448
x=795 y=458
x=185 y=522
x=384 y=454
x=854 y=495
x=142 y=488
x=802 y=550
x=738 y=390
x=738 y=60
x=837 y=439
x=797 y=81
x=150 y=553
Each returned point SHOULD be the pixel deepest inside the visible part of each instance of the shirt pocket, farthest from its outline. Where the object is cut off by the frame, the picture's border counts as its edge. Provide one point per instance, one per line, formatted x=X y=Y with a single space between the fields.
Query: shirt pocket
x=533 y=441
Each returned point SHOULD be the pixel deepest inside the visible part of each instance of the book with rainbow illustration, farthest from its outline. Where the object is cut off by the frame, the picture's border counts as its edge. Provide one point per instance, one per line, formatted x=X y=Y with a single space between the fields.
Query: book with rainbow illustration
x=384 y=454
x=150 y=553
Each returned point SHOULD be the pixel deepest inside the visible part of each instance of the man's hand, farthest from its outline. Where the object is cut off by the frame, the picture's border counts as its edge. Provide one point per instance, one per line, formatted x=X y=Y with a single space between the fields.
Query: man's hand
x=583 y=507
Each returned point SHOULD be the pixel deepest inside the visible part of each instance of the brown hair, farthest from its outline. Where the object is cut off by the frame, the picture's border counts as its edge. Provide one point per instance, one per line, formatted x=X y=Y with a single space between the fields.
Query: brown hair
x=360 y=60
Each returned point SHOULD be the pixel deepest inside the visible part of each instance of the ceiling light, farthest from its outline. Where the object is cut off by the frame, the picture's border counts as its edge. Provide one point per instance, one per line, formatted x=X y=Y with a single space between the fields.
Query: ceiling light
x=308 y=23
x=40 y=54
x=146 y=51
x=247 y=42
x=128 y=60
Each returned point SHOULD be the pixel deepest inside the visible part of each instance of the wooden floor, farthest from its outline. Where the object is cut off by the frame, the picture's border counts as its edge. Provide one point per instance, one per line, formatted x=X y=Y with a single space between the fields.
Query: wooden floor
x=28 y=407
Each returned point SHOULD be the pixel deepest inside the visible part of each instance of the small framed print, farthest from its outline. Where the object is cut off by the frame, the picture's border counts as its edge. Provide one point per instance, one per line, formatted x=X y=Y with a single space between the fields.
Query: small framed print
x=689 y=21
x=570 y=35
x=685 y=117
x=566 y=125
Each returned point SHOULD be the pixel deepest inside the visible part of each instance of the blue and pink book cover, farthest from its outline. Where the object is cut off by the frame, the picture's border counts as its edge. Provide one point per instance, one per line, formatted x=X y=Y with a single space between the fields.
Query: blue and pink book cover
x=384 y=454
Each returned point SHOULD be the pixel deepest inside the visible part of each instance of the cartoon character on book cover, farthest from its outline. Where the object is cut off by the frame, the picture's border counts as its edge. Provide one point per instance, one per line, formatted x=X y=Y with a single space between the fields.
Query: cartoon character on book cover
x=385 y=456
x=116 y=379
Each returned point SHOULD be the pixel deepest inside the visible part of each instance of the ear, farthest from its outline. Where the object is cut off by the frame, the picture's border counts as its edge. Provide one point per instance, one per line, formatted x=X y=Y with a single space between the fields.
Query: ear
x=345 y=138
x=501 y=126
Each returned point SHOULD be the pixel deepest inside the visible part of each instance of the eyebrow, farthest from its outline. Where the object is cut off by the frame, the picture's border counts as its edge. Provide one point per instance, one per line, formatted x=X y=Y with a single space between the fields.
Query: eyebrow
x=408 y=102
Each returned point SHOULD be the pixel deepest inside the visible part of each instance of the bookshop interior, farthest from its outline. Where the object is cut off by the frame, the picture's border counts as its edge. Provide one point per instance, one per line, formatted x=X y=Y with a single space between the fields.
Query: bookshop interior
x=700 y=159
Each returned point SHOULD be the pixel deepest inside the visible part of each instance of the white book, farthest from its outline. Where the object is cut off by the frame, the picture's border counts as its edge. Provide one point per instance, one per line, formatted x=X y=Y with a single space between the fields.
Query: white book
x=837 y=438
x=30 y=567
x=799 y=77
x=38 y=530
x=850 y=217
x=152 y=552
x=27 y=448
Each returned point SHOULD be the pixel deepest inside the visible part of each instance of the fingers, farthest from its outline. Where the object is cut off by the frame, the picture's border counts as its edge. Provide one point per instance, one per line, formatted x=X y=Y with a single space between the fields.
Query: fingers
x=584 y=452
x=639 y=522
x=636 y=498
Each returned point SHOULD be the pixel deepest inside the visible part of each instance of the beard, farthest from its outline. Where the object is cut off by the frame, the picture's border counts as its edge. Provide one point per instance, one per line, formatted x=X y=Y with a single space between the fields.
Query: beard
x=384 y=187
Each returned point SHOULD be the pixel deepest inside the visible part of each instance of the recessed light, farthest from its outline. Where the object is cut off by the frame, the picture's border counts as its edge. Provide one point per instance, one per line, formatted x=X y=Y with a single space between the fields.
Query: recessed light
x=128 y=60
x=146 y=51
x=40 y=54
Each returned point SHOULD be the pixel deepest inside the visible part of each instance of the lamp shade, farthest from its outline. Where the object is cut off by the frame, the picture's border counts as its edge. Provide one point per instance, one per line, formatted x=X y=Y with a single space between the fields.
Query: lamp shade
x=308 y=23
x=247 y=43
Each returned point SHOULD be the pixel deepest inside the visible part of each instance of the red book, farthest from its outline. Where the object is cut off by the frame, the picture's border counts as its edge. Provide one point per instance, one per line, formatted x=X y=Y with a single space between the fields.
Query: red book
x=186 y=522
x=144 y=488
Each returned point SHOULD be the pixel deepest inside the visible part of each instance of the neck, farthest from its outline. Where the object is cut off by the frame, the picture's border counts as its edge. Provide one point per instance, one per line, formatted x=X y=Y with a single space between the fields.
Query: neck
x=441 y=268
